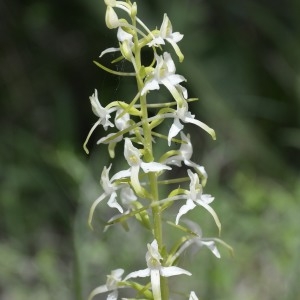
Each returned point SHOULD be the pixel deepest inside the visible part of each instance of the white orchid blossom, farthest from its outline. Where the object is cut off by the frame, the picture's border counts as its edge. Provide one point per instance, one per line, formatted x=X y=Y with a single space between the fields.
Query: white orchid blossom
x=164 y=73
x=155 y=270
x=132 y=155
x=184 y=155
x=183 y=114
x=166 y=33
x=198 y=240
x=102 y=113
x=195 y=197
x=112 y=285
x=121 y=123
x=110 y=190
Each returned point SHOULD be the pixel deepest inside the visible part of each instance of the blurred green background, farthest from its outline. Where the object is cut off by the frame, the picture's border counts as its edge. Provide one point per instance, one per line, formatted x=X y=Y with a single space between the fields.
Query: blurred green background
x=242 y=59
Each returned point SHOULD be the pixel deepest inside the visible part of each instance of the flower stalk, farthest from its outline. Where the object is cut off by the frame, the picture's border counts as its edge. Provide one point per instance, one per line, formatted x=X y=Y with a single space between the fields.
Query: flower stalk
x=139 y=192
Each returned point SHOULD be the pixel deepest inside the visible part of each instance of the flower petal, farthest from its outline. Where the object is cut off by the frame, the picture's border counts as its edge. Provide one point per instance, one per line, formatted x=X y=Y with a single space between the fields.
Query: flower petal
x=109 y=50
x=98 y=290
x=140 y=273
x=211 y=245
x=212 y=212
x=93 y=207
x=184 y=209
x=155 y=283
x=174 y=130
x=173 y=271
x=154 y=167
x=112 y=202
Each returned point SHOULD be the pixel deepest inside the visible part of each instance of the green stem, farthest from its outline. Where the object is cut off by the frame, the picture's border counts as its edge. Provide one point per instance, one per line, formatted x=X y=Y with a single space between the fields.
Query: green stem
x=149 y=157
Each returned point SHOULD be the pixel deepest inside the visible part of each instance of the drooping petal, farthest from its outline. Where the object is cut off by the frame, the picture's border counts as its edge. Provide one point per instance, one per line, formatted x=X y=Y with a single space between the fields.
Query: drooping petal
x=155 y=284
x=184 y=209
x=109 y=50
x=201 y=125
x=93 y=207
x=212 y=212
x=98 y=290
x=211 y=245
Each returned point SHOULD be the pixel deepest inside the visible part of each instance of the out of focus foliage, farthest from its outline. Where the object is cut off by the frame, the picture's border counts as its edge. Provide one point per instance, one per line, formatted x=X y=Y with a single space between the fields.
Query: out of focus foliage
x=242 y=59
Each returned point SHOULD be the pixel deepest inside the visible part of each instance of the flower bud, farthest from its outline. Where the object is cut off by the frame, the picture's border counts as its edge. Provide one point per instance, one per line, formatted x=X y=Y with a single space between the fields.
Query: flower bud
x=126 y=50
x=133 y=11
x=111 y=18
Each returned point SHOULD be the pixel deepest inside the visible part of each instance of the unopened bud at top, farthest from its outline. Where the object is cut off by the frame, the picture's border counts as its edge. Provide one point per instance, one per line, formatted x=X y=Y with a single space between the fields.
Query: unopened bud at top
x=111 y=18
x=133 y=11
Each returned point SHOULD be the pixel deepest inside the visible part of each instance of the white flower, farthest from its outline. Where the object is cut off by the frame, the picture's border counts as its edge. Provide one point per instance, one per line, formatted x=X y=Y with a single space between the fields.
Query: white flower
x=184 y=155
x=193 y=296
x=195 y=197
x=198 y=240
x=121 y=123
x=128 y=196
x=182 y=114
x=166 y=33
x=103 y=114
x=155 y=270
x=132 y=155
x=111 y=285
x=110 y=190
x=111 y=18
x=100 y=111
x=164 y=73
